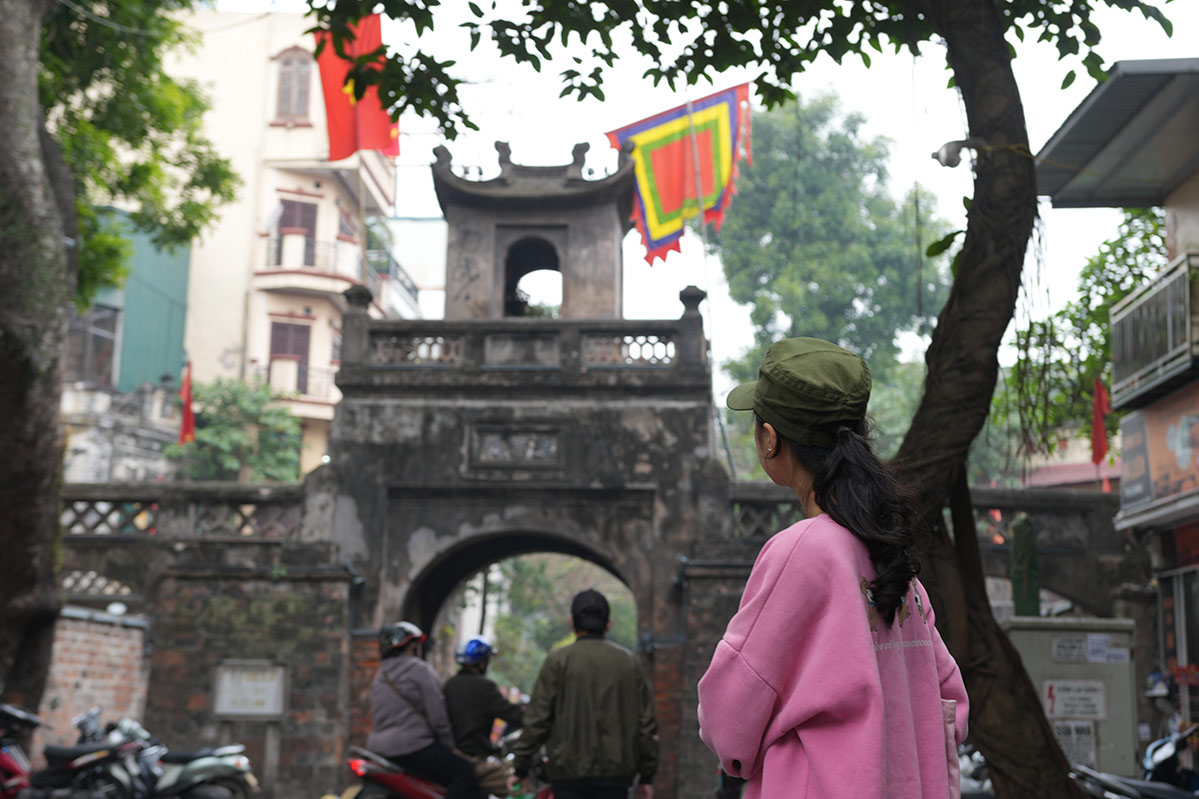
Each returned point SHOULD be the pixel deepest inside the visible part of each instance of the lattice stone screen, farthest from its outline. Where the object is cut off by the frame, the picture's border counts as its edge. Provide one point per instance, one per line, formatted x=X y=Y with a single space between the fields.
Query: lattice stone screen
x=414 y=350
x=632 y=350
x=109 y=517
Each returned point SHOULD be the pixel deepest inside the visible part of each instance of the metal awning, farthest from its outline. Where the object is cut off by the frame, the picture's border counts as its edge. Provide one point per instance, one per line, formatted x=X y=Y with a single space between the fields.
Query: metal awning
x=1130 y=143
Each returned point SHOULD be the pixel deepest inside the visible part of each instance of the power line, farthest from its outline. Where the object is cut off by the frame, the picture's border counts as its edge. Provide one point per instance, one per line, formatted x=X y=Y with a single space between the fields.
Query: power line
x=116 y=26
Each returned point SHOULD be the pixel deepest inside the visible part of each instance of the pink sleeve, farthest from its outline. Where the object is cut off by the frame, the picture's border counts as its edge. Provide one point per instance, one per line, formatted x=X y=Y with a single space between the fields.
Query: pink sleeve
x=952 y=686
x=798 y=647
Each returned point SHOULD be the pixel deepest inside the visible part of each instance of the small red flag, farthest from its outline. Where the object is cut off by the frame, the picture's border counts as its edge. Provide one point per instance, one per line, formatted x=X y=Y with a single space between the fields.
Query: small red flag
x=187 y=428
x=1101 y=406
x=354 y=124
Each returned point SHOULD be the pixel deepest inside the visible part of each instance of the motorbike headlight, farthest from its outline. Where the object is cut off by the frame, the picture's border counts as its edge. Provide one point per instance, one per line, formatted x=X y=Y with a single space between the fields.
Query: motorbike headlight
x=242 y=763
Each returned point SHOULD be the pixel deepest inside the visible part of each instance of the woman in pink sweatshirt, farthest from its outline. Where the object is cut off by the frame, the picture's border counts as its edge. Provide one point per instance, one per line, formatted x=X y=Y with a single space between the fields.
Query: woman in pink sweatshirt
x=831 y=681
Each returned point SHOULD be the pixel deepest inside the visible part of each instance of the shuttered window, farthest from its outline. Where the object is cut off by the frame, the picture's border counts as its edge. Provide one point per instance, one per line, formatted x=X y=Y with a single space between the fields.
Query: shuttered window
x=295 y=73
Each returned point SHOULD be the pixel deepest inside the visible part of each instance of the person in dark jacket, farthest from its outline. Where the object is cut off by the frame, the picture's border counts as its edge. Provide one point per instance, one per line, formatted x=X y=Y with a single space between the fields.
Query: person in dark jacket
x=593 y=710
x=409 y=723
x=474 y=702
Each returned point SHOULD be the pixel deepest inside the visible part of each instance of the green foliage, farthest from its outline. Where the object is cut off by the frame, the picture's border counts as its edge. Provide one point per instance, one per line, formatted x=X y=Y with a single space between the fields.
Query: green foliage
x=682 y=42
x=815 y=243
x=241 y=434
x=1050 y=387
x=130 y=134
x=534 y=592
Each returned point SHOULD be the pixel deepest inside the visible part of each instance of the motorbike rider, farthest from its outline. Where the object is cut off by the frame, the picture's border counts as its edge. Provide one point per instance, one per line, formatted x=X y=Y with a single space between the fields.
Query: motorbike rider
x=474 y=701
x=410 y=725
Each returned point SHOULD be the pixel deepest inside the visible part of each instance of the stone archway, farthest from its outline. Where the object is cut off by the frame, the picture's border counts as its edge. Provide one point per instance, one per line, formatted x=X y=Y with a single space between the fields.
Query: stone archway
x=526 y=255
x=437 y=582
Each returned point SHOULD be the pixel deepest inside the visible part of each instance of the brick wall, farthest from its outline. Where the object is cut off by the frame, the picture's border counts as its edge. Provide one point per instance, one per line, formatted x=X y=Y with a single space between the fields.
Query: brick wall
x=295 y=620
x=99 y=660
x=364 y=657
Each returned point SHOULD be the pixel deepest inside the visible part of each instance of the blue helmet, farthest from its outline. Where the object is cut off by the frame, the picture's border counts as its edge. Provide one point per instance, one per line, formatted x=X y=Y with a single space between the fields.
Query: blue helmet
x=475 y=649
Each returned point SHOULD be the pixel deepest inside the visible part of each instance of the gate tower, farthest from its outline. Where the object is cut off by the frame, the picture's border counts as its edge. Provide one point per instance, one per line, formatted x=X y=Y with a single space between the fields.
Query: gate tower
x=491 y=433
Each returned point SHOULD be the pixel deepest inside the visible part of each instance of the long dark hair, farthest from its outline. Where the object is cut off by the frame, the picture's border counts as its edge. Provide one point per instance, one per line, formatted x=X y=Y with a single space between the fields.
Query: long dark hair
x=859 y=492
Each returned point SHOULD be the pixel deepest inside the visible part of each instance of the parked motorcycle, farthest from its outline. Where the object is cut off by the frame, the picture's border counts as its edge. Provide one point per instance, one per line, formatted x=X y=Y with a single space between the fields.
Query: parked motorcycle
x=164 y=773
x=1162 y=777
x=14 y=763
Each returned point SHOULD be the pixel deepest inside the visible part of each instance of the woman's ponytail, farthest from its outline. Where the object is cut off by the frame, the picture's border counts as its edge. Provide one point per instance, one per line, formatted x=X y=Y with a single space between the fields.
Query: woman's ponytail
x=859 y=492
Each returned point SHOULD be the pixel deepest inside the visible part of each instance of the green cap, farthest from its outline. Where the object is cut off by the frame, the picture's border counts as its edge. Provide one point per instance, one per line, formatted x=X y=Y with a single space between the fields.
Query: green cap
x=806 y=388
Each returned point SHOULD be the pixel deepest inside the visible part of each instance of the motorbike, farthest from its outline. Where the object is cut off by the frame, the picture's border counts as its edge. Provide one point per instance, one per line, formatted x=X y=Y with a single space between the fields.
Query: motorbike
x=382 y=778
x=14 y=763
x=1161 y=776
x=210 y=773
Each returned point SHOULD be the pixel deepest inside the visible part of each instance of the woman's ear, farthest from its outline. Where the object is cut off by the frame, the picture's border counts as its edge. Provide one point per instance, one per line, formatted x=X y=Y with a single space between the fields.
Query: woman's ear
x=769 y=440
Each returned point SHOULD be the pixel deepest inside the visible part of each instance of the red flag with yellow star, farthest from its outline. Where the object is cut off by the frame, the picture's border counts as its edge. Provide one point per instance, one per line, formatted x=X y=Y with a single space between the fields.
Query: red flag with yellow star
x=354 y=124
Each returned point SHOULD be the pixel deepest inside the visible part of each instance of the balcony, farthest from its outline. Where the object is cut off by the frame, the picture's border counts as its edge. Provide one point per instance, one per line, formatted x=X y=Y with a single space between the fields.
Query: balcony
x=298 y=263
x=299 y=382
x=1155 y=338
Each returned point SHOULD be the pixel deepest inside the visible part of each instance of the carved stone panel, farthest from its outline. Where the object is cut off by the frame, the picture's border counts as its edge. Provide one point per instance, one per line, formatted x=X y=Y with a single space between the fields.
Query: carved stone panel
x=514 y=448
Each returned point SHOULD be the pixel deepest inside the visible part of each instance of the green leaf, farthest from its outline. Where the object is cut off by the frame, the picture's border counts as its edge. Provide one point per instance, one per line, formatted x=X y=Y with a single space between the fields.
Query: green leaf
x=474 y=9
x=1068 y=79
x=967 y=202
x=941 y=245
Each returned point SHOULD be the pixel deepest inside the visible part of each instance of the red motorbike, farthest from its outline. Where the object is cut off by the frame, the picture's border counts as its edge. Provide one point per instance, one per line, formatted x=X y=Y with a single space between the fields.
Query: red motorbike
x=382 y=778
x=14 y=764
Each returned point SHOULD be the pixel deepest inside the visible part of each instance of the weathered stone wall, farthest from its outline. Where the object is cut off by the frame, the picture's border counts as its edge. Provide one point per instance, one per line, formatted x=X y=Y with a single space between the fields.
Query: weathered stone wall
x=292 y=619
x=100 y=661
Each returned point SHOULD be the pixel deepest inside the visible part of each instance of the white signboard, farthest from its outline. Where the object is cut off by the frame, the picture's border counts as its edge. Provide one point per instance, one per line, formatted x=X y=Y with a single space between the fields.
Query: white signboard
x=1071 y=648
x=1100 y=649
x=250 y=689
x=1074 y=699
x=1077 y=739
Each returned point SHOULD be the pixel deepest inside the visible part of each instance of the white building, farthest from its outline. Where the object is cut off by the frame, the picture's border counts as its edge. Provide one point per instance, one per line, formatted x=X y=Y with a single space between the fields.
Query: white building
x=265 y=283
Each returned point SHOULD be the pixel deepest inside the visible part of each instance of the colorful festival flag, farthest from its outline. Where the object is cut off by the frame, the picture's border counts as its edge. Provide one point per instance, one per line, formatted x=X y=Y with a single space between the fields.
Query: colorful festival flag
x=187 y=427
x=354 y=124
x=665 y=159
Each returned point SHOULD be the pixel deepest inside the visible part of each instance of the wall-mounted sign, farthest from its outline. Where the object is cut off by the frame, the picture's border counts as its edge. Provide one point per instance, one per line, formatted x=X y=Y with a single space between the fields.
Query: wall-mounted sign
x=1077 y=739
x=251 y=689
x=1161 y=448
x=1074 y=699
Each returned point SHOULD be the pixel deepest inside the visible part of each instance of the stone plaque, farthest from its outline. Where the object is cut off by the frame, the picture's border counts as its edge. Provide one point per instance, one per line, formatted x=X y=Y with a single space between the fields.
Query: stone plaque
x=250 y=689
x=509 y=448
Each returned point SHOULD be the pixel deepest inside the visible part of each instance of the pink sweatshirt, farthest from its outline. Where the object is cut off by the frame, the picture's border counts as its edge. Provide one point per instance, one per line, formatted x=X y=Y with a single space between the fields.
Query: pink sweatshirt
x=810 y=694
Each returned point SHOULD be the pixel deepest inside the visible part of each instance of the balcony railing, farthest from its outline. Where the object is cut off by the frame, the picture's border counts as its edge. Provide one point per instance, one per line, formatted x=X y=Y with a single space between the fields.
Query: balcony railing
x=293 y=379
x=295 y=251
x=526 y=355
x=383 y=263
x=1154 y=344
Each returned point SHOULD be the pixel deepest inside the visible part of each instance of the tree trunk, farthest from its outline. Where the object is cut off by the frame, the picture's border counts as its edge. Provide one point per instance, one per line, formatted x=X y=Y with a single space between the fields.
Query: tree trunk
x=1006 y=720
x=36 y=285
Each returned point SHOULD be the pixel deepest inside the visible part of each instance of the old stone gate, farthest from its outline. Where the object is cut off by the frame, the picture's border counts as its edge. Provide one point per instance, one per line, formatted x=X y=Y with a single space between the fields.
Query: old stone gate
x=457 y=443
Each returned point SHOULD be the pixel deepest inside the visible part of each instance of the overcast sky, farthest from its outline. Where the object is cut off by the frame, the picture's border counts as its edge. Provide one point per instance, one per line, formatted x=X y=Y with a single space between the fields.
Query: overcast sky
x=903 y=98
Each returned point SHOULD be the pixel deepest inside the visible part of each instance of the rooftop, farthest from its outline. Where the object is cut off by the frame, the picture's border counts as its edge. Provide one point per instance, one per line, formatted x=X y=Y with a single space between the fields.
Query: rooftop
x=1130 y=143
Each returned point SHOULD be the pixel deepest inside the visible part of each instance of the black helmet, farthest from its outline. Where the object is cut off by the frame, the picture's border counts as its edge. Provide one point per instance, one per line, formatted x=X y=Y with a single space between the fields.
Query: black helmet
x=398 y=634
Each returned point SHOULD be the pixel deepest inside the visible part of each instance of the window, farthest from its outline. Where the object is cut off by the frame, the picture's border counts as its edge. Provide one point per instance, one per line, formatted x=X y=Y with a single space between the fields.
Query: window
x=291 y=341
x=335 y=356
x=295 y=68
x=91 y=346
x=293 y=216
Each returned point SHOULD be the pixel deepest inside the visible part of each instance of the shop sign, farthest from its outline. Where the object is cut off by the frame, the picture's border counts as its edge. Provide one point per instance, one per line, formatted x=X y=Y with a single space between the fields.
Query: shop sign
x=1161 y=448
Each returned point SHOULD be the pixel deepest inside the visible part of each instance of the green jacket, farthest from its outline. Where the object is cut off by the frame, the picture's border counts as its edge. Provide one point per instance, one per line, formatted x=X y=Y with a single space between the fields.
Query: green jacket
x=594 y=712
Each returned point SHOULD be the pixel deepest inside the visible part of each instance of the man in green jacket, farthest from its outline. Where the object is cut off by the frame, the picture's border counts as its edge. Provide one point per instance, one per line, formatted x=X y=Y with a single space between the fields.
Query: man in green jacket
x=594 y=712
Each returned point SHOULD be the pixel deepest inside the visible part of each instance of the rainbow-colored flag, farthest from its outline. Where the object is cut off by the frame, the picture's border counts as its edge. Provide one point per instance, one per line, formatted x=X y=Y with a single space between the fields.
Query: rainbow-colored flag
x=664 y=161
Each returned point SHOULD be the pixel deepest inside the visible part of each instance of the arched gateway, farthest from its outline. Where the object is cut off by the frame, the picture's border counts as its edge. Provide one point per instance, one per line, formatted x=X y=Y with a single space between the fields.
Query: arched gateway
x=462 y=442
x=458 y=443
